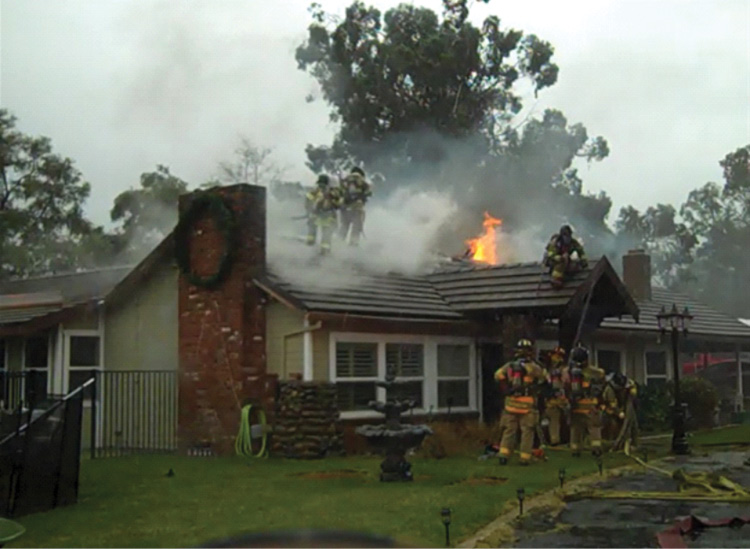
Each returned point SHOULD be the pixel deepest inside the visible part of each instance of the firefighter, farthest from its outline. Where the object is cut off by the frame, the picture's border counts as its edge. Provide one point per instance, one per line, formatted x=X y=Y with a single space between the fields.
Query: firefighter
x=520 y=381
x=558 y=256
x=355 y=192
x=557 y=405
x=321 y=204
x=585 y=385
x=619 y=397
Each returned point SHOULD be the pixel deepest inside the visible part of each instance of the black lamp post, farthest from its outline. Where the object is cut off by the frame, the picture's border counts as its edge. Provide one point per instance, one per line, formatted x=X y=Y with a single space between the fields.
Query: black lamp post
x=445 y=514
x=676 y=322
x=520 y=493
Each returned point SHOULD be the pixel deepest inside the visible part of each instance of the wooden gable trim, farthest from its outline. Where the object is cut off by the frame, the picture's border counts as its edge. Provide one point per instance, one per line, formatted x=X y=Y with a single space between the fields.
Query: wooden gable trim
x=388 y=325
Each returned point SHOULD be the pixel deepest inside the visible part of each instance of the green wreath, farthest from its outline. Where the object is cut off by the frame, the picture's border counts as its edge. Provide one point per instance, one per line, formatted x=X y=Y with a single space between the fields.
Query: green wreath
x=215 y=206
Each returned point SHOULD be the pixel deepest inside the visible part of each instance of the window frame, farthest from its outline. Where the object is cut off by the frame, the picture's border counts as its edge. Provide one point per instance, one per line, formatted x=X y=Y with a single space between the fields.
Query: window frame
x=439 y=378
x=66 y=354
x=429 y=377
x=667 y=364
x=50 y=361
x=614 y=348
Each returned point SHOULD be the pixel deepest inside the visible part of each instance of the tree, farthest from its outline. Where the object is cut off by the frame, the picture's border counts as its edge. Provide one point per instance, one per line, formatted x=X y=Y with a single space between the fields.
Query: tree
x=147 y=214
x=42 y=225
x=719 y=217
x=251 y=164
x=432 y=101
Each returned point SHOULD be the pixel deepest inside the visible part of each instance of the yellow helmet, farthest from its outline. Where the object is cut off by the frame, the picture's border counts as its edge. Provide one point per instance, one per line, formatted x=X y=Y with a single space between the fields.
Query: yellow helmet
x=524 y=347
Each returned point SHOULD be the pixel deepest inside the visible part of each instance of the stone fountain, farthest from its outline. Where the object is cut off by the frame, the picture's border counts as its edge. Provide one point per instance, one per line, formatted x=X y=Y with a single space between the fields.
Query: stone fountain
x=393 y=438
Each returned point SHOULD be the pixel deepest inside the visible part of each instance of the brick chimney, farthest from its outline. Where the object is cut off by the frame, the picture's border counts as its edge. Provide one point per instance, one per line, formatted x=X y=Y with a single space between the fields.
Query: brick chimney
x=222 y=350
x=636 y=273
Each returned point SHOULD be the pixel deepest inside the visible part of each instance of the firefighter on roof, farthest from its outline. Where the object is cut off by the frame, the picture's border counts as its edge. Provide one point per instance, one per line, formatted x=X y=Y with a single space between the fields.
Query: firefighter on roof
x=321 y=204
x=557 y=403
x=585 y=384
x=558 y=256
x=356 y=191
x=520 y=381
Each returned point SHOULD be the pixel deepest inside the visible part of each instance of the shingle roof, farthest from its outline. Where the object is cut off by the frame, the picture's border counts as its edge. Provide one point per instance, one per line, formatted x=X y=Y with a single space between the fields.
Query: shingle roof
x=706 y=321
x=447 y=295
x=22 y=300
x=384 y=295
x=74 y=287
x=512 y=286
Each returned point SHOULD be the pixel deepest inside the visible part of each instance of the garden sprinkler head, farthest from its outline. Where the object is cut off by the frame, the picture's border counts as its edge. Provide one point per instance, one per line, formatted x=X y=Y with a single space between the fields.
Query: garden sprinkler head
x=561 y=476
x=521 y=494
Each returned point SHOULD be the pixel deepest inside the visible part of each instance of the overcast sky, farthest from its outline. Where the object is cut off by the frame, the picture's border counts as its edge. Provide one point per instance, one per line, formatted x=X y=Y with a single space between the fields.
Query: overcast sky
x=123 y=85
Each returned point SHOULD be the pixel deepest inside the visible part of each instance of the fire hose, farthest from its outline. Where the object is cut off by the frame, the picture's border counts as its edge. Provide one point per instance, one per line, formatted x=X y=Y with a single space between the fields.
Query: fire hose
x=243 y=445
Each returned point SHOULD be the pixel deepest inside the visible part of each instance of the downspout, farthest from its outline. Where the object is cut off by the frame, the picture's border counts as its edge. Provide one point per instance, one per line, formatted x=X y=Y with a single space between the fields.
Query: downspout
x=307 y=335
x=740 y=387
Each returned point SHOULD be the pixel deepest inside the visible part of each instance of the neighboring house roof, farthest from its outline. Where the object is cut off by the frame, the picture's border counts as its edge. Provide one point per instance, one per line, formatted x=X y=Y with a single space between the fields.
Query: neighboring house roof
x=454 y=294
x=26 y=299
x=745 y=321
x=386 y=295
x=706 y=321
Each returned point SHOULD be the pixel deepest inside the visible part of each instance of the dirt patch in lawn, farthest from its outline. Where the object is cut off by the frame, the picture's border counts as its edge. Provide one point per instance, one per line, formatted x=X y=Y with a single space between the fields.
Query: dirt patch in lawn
x=339 y=473
x=483 y=481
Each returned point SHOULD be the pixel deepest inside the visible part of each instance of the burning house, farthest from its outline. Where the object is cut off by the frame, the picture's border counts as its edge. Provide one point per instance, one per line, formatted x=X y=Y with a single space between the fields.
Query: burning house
x=261 y=325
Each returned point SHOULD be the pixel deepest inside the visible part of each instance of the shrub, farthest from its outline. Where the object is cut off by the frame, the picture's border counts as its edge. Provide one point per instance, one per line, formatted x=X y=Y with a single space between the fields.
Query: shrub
x=702 y=399
x=457 y=438
x=654 y=407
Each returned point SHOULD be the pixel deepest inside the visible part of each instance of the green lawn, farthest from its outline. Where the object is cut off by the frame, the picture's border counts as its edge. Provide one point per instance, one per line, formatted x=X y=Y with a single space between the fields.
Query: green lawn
x=130 y=502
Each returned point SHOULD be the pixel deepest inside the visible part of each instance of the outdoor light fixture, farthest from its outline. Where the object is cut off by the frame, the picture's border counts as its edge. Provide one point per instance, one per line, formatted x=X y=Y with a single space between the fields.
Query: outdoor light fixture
x=675 y=322
x=600 y=464
x=561 y=476
x=445 y=514
x=520 y=493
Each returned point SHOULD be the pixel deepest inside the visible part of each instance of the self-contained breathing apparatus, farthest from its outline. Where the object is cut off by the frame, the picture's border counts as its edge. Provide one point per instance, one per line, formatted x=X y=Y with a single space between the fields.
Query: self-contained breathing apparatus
x=518 y=387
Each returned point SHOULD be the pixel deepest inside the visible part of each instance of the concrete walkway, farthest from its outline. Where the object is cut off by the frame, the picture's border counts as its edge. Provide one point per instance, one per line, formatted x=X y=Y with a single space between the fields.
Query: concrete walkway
x=551 y=522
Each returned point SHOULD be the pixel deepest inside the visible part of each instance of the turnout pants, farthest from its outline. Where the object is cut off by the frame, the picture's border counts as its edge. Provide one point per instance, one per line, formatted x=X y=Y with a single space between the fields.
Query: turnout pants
x=353 y=219
x=327 y=226
x=585 y=423
x=560 y=268
x=511 y=423
x=555 y=416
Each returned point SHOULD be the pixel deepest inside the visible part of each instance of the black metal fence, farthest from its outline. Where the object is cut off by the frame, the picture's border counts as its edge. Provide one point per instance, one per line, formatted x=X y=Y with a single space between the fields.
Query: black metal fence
x=40 y=460
x=135 y=412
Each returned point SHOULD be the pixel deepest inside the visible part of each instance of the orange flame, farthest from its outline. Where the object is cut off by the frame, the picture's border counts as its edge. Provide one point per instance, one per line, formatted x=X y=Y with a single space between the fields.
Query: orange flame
x=484 y=248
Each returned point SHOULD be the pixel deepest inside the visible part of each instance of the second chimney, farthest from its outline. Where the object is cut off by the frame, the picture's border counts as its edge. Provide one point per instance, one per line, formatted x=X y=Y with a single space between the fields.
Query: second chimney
x=636 y=273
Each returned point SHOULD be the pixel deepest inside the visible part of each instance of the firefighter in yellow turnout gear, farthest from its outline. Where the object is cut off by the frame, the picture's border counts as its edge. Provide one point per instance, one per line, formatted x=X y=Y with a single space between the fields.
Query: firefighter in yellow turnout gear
x=619 y=398
x=558 y=255
x=521 y=380
x=585 y=385
x=355 y=193
x=557 y=404
x=321 y=205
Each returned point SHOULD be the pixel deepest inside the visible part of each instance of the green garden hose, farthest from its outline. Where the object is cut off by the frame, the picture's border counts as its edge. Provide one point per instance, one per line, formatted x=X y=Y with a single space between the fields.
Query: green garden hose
x=243 y=443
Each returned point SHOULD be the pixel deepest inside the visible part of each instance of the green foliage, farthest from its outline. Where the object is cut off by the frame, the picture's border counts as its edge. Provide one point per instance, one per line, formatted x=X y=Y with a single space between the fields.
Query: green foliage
x=432 y=100
x=702 y=399
x=42 y=225
x=146 y=214
x=654 y=408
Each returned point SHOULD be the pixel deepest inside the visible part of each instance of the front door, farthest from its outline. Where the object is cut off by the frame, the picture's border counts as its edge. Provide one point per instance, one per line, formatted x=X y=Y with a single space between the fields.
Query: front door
x=492 y=359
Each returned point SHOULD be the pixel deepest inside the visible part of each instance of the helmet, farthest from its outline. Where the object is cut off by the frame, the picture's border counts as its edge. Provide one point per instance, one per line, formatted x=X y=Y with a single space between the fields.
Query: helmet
x=619 y=379
x=559 y=351
x=323 y=179
x=357 y=169
x=524 y=347
x=566 y=230
x=579 y=355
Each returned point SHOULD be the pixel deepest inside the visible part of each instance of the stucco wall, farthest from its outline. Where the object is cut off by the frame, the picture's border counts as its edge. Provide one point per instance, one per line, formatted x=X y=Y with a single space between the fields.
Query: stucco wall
x=321 y=350
x=141 y=333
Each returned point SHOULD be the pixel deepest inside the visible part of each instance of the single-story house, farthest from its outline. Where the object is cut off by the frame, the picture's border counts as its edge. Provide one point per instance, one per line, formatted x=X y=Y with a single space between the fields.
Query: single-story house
x=446 y=331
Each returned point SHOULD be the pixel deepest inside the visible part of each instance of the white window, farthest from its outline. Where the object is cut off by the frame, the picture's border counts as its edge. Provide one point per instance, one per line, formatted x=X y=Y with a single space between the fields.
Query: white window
x=656 y=368
x=408 y=360
x=36 y=359
x=436 y=372
x=356 y=373
x=82 y=355
x=454 y=375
